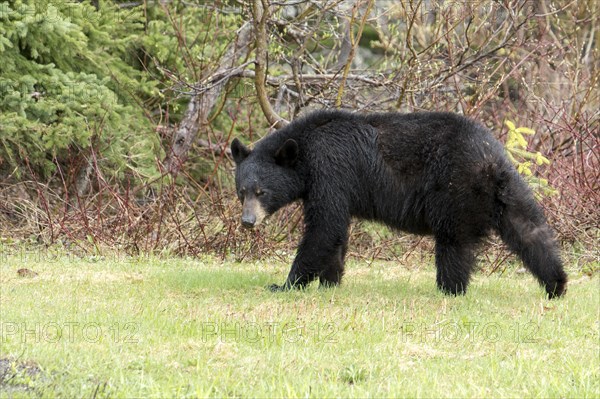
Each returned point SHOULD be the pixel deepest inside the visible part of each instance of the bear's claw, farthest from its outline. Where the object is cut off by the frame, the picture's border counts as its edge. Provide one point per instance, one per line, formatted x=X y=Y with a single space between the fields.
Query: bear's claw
x=276 y=288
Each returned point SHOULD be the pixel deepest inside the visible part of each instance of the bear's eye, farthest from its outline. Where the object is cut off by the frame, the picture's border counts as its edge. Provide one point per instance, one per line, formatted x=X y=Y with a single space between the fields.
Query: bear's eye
x=260 y=193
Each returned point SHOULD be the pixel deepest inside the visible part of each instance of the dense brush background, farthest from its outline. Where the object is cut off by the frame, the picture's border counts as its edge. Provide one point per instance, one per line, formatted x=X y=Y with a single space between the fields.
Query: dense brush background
x=116 y=116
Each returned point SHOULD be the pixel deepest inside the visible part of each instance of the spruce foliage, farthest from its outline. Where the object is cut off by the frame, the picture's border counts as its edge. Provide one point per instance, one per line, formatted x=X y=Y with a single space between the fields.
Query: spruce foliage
x=70 y=85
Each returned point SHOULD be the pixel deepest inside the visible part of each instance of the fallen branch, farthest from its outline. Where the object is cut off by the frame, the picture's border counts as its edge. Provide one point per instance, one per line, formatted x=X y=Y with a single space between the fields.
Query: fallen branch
x=203 y=101
x=283 y=79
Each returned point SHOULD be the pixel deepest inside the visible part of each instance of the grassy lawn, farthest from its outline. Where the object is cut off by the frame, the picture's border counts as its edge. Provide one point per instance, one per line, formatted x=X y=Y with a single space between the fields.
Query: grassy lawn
x=123 y=327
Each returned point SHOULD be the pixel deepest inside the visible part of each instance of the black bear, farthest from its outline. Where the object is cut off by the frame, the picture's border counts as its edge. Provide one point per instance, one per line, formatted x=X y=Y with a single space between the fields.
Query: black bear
x=424 y=173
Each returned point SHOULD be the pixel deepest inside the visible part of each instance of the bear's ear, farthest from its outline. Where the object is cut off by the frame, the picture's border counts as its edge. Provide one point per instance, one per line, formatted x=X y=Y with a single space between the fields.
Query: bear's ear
x=239 y=151
x=287 y=154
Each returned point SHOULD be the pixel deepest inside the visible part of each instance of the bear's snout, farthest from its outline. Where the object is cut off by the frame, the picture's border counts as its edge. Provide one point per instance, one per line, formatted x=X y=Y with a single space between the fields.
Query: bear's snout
x=248 y=221
x=253 y=213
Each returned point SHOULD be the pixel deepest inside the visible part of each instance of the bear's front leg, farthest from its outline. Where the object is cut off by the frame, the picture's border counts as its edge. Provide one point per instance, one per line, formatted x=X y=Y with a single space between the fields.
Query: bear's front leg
x=333 y=275
x=320 y=254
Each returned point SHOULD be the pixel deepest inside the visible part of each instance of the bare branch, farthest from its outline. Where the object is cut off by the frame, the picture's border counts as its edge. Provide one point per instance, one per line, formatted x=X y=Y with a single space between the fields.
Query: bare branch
x=354 y=41
x=282 y=79
x=260 y=13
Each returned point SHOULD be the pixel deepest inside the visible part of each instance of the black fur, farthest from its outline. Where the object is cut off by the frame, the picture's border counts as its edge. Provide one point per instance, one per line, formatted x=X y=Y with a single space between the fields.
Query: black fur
x=425 y=173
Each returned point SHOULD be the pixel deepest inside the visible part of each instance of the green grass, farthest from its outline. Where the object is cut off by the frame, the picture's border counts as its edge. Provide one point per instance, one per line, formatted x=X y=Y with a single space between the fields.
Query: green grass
x=102 y=327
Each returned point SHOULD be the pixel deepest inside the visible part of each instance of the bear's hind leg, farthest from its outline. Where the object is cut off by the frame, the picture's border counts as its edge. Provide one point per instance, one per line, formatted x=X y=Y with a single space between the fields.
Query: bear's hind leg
x=523 y=228
x=454 y=263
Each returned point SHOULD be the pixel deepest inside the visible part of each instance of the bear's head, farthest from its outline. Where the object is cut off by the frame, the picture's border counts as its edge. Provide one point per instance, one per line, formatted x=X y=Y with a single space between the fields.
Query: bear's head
x=266 y=178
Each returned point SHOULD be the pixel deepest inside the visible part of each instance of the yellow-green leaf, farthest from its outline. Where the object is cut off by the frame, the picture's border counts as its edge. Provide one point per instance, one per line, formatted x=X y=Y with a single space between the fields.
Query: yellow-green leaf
x=516 y=140
x=540 y=159
x=524 y=168
x=511 y=126
x=525 y=130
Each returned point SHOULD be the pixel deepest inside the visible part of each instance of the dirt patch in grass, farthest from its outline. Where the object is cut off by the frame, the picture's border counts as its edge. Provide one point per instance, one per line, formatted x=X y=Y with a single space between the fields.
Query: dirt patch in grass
x=18 y=375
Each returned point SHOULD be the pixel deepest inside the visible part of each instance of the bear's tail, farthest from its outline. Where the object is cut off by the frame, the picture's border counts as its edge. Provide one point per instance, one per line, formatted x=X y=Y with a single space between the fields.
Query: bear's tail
x=522 y=226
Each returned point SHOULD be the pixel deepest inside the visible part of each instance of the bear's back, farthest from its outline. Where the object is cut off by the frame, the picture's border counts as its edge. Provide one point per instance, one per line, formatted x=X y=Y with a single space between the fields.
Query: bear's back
x=411 y=142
